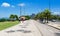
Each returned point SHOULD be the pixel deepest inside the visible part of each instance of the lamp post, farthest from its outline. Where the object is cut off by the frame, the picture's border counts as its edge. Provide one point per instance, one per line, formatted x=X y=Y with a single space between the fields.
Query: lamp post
x=49 y=5
x=21 y=5
x=20 y=10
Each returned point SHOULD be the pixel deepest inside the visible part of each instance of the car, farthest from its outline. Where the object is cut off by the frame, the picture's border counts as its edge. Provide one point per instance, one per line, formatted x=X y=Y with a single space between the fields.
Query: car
x=53 y=20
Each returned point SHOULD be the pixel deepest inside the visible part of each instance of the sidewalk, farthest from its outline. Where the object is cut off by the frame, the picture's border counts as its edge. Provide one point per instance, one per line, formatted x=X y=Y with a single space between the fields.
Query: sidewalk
x=22 y=29
x=55 y=25
x=52 y=24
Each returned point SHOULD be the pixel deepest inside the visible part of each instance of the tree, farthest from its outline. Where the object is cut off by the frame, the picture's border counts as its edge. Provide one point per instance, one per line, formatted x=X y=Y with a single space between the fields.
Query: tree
x=2 y=20
x=59 y=18
x=38 y=16
x=47 y=14
x=12 y=17
x=27 y=17
x=16 y=17
x=54 y=17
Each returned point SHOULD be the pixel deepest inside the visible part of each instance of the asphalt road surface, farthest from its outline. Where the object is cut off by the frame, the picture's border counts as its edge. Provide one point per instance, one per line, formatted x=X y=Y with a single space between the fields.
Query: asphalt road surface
x=30 y=28
x=47 y=30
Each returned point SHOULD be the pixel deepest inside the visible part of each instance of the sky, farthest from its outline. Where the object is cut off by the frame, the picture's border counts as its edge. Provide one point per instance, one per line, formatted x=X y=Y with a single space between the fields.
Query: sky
x=28 y=7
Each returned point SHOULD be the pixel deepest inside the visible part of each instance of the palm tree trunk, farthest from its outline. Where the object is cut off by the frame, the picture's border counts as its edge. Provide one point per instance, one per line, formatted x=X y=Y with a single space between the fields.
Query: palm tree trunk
x=47 y=19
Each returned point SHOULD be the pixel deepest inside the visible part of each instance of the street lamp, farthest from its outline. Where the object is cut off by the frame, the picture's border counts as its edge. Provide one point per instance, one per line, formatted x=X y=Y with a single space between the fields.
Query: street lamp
x=49 y=5
x=21 y=5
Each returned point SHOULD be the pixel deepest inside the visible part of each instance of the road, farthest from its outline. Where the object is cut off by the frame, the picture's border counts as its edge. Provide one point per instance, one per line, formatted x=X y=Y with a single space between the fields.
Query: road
x=30 y=28
x=27 y=28
x=47 y=30
x=57 y=22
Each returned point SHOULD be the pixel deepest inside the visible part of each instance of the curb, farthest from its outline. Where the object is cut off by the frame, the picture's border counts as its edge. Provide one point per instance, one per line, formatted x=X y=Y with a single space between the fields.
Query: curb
x=54 y=27
x=51 y=26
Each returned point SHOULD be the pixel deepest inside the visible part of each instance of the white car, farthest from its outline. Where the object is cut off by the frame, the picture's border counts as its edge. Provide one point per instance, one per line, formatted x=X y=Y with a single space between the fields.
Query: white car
x=53 y=20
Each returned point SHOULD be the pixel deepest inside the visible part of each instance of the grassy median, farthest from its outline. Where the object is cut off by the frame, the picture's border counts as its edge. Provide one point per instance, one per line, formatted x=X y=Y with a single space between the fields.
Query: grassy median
x=4 y=25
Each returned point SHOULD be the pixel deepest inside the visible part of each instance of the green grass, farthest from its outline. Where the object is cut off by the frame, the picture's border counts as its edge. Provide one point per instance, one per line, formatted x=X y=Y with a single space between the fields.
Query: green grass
x=4 y=25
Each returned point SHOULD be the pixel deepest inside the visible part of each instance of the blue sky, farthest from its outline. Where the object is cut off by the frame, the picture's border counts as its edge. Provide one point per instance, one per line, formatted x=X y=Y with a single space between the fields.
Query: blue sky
x=8 y=7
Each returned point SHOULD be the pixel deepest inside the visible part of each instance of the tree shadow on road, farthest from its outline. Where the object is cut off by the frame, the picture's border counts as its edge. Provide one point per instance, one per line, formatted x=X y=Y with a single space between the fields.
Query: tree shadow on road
x=21 y=30
x=24 y=31
x=11 y=31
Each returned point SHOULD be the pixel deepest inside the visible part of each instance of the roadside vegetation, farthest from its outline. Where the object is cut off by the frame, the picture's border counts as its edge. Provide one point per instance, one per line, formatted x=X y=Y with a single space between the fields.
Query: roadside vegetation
x=7 y=24
x=11 y=21
x=47 y=16
x=14 y=19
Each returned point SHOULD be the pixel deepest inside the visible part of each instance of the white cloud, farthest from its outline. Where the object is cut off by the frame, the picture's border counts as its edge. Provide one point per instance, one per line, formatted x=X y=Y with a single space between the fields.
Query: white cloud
x=5 y=4
x=21 y=4
x=56 y=12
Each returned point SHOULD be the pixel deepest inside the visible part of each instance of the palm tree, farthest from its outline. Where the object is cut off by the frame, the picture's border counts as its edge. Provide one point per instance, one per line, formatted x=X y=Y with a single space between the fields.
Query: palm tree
x=47 y=14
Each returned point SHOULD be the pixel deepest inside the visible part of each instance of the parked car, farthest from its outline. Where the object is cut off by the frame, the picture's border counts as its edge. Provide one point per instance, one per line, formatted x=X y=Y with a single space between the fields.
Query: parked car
x=53 y=20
